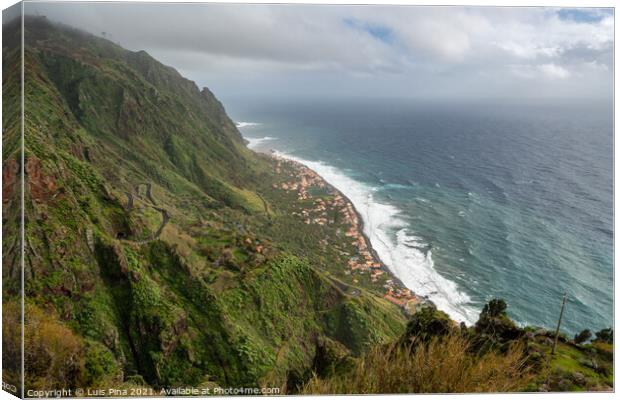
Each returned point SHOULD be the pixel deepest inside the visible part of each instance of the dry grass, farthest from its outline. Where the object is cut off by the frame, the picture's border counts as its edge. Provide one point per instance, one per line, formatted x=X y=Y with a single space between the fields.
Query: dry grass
x=442 y=366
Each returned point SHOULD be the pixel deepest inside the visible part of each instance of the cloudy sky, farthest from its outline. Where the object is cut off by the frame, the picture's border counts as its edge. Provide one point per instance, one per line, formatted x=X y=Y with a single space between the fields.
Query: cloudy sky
x=387 y=51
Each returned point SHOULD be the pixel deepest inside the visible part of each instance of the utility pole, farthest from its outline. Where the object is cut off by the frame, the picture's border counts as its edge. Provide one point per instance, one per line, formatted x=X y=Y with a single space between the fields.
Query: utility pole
x=557 y=329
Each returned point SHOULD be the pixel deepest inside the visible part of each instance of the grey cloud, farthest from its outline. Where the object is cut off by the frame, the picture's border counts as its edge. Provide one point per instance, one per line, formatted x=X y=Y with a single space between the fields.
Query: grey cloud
x=292 y=49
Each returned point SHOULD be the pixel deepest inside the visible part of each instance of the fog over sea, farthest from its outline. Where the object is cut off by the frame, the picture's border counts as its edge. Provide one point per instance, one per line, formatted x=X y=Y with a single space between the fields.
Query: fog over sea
x=466 y=202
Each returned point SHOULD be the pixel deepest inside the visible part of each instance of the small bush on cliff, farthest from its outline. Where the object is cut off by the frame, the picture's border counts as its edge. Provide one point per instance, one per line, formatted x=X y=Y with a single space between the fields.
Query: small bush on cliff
x=427 y=323
x=56 y=357
x=605 y=335
x=582 y=336
x=494 y=325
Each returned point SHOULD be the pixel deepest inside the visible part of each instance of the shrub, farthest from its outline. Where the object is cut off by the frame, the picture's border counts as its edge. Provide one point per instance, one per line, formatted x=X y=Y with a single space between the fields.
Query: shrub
x=53 y=353
x=99 y=364
x=428 y=322
x=495 y=324
x=11 y=341
x=495 y=308
x=442 y=365
x=582 y=336
x=605 y=335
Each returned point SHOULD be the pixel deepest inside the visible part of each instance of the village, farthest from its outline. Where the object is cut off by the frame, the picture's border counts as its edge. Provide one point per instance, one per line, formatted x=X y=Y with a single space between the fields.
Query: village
x=336 y=208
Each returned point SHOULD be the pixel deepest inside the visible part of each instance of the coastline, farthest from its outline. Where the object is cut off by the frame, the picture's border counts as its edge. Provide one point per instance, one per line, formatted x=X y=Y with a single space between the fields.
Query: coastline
x=396 y=291
x=361 y=231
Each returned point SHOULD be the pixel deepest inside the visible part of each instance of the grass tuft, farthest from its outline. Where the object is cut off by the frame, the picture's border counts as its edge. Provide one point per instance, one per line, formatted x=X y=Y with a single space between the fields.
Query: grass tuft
x=443 y=365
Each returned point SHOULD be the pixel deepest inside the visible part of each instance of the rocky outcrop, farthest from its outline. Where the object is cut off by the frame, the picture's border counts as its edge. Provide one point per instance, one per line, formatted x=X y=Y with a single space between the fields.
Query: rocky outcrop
x=41 y=186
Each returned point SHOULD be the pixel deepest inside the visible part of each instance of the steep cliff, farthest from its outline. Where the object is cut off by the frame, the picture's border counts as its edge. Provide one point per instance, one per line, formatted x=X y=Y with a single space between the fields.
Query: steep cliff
x=155 y=251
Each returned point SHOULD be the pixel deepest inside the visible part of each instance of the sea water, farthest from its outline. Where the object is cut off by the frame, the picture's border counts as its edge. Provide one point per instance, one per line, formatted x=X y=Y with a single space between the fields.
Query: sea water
x=468 y=202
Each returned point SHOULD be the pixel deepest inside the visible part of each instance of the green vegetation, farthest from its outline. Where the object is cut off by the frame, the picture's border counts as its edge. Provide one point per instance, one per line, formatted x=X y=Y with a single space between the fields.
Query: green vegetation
x=153 y=235
x=435 y=355
x=582 y=336
x=442 y=365
x=160 y=252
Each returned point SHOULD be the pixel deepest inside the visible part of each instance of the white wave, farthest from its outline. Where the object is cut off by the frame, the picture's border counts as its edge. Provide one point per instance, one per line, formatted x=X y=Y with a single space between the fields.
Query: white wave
x=255 y=142
x=242 y=124
x=397 y=247
x=389 y=186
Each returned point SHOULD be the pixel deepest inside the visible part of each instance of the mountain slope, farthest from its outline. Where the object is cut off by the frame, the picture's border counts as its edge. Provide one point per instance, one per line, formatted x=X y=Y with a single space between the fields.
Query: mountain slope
x=153 y=240
x=161 y=252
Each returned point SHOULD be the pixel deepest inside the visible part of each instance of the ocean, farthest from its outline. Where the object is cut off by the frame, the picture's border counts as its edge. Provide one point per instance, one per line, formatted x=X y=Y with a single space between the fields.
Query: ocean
x=468 y=202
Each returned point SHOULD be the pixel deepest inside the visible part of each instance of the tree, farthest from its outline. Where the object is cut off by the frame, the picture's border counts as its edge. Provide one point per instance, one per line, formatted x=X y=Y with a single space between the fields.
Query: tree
x=582 y=336
x=494 y=322
x=605 y=335
x=495 y=308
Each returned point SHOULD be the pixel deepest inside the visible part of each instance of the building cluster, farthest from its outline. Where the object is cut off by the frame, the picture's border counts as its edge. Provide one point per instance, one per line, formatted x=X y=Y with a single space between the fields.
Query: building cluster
x=401 y=296
x=364 y=262
x=317 y=214
x=300 y=183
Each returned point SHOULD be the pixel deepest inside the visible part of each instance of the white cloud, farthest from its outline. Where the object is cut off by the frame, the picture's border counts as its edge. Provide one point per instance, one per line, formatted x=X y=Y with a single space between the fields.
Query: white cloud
x=554 y=71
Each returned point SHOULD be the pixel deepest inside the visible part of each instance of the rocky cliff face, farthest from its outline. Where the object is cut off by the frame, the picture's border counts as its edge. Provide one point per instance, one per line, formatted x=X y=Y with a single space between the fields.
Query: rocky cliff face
x=143 y=211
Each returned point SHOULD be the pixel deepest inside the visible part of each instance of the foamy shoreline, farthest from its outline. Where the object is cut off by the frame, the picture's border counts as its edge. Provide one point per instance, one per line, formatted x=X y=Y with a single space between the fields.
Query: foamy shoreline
x=372 y=250
x=411 y=268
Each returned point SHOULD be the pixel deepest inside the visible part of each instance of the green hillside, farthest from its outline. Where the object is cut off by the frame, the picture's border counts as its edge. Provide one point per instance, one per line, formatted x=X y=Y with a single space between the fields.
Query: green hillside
x=143 y=208
x=161 y=252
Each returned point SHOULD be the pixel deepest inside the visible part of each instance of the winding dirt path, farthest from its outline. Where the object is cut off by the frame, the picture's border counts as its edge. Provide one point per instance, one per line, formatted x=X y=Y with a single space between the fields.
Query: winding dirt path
x=345 y=288
x=153 y=204
x=149 y=195
x=265 y=205
x=129 y=201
